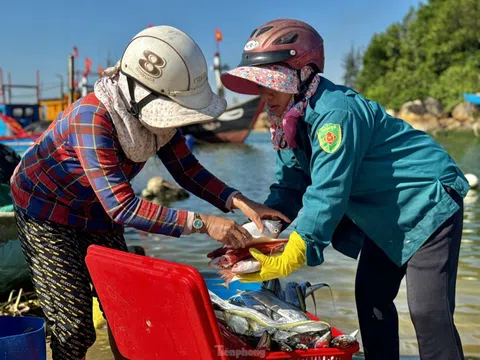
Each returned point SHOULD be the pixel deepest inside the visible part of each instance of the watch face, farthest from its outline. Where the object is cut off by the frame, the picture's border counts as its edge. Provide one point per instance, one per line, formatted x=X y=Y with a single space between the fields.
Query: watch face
x=197 y=223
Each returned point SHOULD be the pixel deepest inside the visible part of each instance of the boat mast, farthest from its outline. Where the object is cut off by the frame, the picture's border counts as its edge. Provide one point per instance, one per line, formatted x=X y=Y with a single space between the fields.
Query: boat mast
x=217 y=66
x=6 y=90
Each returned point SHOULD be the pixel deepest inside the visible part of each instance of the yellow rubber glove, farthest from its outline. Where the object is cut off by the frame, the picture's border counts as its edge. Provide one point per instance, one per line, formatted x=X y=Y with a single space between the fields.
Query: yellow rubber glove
x=273 y=267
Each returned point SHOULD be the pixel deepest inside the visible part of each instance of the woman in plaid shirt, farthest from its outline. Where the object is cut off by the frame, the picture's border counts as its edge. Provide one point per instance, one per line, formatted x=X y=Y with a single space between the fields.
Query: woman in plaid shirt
x=72 y=187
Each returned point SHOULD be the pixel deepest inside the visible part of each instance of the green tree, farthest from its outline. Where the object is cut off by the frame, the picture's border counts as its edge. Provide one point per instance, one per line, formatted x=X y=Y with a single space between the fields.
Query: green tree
x=433 y=51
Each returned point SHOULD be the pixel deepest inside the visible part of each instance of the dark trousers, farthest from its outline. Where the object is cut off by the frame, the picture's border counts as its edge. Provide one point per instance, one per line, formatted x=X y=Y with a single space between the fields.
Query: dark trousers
x=431 y=280
x=55 y=255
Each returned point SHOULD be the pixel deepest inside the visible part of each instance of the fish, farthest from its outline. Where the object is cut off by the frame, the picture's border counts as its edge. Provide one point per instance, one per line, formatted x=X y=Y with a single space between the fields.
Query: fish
x=242 y=267
x=232 y=257
x=271 y=228
x=285 y=348
x=344 y=341
x=271 y=231
x=265 y=342
x=254 y=316
x=279 y=308
x=237 y=323
x=247 y=266
x=303 y=340
x=266 y=322
x=214 y=263
x=323 y=341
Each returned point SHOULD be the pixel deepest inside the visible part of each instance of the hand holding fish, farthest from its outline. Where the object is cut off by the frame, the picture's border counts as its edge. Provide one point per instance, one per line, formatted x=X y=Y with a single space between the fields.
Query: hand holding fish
x=256 y=211
x=273 y=267
x=226 y=231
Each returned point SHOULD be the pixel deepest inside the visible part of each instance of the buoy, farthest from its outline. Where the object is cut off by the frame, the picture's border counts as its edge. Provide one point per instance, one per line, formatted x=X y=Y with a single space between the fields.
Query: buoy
x=472 y=181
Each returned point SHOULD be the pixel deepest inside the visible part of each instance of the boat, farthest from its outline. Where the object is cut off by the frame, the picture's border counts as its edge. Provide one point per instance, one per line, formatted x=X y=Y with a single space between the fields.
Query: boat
x=233 y=126
x=472 y=98
x=19 y=143
x=20 y=125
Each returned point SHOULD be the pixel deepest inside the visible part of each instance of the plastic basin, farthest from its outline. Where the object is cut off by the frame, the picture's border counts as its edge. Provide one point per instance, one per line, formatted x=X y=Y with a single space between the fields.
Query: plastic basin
x=22 y=337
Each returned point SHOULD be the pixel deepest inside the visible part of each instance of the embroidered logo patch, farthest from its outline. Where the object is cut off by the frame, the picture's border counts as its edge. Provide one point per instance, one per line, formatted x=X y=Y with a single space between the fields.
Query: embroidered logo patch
x=330 y=137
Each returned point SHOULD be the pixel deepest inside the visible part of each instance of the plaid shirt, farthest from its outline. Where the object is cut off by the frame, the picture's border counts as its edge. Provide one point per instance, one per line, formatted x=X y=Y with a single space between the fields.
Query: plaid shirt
x=76 y=174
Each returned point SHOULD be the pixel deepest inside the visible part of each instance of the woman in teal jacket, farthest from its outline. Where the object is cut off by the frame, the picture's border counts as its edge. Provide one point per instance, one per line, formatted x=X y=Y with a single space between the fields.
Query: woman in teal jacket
x=365 y=181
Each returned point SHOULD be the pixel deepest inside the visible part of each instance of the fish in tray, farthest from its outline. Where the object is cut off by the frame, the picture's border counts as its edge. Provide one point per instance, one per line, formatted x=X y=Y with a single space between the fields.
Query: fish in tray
x=344 y=341
x=264 y=321
x=277 y=308
x=274 y=319
x=255 y=318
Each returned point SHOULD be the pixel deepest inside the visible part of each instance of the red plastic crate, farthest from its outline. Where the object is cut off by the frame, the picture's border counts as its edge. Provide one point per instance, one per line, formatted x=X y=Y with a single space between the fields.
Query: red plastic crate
x=159 y=309
x=235 y=348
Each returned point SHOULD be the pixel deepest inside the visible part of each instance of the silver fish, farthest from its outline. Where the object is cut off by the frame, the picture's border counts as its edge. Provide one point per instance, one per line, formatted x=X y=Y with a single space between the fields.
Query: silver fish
x=237 y=323
x=214 y=263
x=255 y=316
x=271 y=228
x=280 y=309
x=265 y=342
x=344 y=341
x=314 y=326
x=323 y=341
x=284 y=347
x=308 y=338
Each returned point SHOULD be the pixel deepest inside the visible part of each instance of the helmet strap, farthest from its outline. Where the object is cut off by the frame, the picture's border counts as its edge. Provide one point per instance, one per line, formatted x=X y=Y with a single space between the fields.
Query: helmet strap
x=136 y=108
x=303 y=87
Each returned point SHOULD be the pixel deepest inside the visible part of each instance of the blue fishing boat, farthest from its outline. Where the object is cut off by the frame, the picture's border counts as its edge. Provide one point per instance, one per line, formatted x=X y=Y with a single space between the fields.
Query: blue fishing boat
x=472 y=98
x=20 y=125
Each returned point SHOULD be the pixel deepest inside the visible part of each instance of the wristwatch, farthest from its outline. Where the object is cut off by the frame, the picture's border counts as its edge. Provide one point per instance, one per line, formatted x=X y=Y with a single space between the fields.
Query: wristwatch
x=197 y=223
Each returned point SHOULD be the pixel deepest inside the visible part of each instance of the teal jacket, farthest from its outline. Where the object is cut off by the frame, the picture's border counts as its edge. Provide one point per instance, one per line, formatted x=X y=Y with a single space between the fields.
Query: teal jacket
x=356 y=172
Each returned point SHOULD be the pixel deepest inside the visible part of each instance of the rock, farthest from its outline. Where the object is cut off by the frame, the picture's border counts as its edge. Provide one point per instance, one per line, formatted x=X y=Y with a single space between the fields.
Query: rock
x=412 y=111
x=147 y=193
x=426 y=123
x=415 y=107
x=163 y=191
x=449 y=124
x=391 y=112
x=463 y=112
x=135 y=249
x=472 y=180
x=155 y=185
x=433 y=106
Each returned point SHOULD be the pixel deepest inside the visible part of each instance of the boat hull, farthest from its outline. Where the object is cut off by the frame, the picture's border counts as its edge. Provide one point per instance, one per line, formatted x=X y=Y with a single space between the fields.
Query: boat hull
x=233 y=126
x=18 y=143
x=472 y=98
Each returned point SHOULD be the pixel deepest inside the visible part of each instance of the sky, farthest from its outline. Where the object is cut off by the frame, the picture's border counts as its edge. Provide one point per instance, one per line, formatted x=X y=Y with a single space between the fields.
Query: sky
x=40 y=35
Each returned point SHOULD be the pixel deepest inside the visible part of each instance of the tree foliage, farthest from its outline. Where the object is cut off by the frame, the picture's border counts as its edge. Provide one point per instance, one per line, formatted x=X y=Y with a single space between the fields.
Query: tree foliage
x=433 y=51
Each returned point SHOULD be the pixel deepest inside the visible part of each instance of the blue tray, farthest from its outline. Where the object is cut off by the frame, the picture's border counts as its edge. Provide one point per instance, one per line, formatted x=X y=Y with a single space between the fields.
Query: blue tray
x=214 y=286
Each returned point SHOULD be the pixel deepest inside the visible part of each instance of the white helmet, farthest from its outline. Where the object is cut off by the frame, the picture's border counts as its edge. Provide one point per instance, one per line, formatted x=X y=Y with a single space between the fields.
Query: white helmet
x=166 y=78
